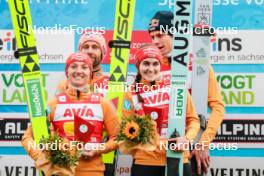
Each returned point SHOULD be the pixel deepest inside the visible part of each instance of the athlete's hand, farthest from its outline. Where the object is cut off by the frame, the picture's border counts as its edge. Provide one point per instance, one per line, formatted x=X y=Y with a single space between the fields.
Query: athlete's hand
x=203 y=159
x=88 y=154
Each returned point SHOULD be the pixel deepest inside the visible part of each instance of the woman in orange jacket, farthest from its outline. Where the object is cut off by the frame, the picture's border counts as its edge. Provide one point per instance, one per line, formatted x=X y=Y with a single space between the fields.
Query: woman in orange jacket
x=150 y=95
x=92 y=108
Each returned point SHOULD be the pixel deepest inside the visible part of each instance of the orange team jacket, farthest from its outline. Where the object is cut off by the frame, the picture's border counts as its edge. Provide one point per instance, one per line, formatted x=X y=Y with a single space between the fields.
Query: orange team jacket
x=101 y=109
x=99 y=82
x=155 y=99
x=214 y=101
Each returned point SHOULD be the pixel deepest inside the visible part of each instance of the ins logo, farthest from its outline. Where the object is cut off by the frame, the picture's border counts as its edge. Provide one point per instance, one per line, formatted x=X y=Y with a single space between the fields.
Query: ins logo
x=226 y=44
x=7 y=43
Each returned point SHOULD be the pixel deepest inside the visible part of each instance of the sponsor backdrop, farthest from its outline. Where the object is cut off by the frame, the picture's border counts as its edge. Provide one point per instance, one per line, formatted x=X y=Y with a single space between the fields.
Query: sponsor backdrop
x=17 y=165
x=237 y=56
x=236 y=166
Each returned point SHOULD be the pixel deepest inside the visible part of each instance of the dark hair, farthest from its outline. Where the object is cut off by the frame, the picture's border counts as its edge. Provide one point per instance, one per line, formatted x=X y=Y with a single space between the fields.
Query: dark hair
x=162 y=18
x=137 y=80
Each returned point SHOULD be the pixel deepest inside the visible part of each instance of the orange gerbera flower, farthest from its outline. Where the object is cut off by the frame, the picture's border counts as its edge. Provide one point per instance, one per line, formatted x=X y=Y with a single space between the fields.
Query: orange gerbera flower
x=131 y=130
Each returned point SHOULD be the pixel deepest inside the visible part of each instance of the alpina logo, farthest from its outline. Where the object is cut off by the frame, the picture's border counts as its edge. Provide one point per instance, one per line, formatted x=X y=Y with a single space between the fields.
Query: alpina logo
x=157 y=98
x=84 y=111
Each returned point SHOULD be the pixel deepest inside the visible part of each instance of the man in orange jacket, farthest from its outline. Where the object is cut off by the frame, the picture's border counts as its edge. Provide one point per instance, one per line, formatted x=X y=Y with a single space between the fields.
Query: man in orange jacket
x=164 y=42
x=93 y=44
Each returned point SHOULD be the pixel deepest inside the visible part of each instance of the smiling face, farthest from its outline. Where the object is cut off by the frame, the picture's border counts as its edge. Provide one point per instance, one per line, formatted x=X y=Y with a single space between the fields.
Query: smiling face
x=93 y=50
x=78 y=74
x=150 y=69
x=162 y=41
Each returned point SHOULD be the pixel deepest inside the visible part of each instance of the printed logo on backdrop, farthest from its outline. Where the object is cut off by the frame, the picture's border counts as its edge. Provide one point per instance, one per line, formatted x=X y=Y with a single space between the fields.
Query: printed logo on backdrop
x=7 y=46
x=241 y=131
x=53 y=48
x=236 y=166
x=223 y=48
x=226 y=44
x=170 y=3
x=228 y=48
x=123 y=166
x=17 y=165
x=241 y=90
x=12 y=130
x=238 y=2
x=12 y=90
x=7 y=42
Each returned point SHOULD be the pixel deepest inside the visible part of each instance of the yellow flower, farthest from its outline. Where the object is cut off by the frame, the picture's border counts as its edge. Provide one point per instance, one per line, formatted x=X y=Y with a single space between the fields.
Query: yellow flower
x=131 y=130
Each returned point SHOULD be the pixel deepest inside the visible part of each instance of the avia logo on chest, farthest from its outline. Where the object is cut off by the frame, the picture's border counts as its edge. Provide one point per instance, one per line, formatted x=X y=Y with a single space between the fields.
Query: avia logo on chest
x=156 y=98
x=84 y=111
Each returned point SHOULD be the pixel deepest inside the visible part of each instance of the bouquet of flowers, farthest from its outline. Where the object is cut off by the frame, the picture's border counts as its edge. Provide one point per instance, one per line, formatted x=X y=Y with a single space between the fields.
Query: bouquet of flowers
x=59 y=156
x=137 y=132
